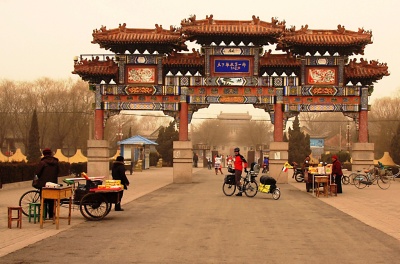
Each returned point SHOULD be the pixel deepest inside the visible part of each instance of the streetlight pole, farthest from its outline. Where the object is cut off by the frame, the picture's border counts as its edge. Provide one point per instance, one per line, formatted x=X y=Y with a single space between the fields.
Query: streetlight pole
x=119 y=135
x=348 y=137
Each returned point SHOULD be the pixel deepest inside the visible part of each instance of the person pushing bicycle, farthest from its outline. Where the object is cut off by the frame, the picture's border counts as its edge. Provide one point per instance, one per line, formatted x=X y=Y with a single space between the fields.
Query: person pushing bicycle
x=238 y=164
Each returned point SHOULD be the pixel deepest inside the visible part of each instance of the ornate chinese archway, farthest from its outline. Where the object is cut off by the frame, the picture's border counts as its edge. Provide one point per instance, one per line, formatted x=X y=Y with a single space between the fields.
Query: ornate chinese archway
x=300 y=80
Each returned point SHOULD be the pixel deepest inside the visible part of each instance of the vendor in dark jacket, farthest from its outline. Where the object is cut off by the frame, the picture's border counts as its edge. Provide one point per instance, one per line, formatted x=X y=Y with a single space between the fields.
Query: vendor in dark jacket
x=118 y=173
x=48 y=171
x=337 y=173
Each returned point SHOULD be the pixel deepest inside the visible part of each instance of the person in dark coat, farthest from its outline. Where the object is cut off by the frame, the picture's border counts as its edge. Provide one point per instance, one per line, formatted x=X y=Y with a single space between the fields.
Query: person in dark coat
x=337 y=173
x=118 y=173
x=48 y=171
x=195 y=160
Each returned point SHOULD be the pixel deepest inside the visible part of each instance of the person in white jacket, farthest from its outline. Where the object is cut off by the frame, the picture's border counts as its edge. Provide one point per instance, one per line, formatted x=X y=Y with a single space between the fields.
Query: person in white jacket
x=217 y=163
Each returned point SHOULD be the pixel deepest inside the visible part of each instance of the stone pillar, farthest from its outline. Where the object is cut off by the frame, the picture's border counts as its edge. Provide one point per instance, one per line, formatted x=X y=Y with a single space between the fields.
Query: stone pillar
x=183 y=122
x=183 y=160
x=362 y=155
x=98 y=124
x=98 y=159
x=278 y=155
x=278 y=123
x=363 y=127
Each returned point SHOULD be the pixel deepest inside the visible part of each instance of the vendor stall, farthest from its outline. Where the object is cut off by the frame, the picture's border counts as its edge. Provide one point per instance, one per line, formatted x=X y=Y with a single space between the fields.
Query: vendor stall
x=317 y=176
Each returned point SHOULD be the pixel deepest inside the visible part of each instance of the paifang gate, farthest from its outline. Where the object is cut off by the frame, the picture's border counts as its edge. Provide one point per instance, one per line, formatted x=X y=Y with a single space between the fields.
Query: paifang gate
x=311 y=71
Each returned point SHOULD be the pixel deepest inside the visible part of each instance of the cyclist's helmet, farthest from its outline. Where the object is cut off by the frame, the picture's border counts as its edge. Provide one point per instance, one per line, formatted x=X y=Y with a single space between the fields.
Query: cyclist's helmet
x=236 y=149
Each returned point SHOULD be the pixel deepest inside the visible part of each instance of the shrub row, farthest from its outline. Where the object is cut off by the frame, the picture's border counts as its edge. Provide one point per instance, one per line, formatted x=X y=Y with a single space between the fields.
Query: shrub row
x=11 y=172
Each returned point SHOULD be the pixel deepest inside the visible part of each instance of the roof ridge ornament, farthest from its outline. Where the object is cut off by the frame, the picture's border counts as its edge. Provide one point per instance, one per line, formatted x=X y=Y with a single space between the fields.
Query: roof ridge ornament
x=122 y=28
x=210 y=19
x=256 y=20
x=341 y=29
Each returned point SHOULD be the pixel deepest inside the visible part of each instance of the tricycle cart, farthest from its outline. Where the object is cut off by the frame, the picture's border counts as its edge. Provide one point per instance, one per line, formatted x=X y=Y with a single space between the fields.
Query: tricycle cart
x=97 y=203
x=94 y=203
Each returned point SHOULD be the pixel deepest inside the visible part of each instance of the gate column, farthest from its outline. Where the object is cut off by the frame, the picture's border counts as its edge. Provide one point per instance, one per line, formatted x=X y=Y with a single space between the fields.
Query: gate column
x=183 y=122
x=363 y=127
x=98 y=124
x=278 y=123
x=183 y=149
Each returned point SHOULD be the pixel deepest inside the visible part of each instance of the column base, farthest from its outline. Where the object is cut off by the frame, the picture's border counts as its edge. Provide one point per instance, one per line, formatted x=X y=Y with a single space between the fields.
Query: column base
x=183 y=160
x=98 y=159
x=278 y=155
x=362 y=155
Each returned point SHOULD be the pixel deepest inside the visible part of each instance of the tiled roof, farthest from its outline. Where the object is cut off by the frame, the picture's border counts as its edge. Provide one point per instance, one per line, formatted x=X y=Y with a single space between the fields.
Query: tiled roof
x=356 y=71
x=184 y=59
x=95 y=69
x=122 y=36
x=279 y=60
x=132 y=35
x=137 y=140
x=108 y=67
x=341 y=39
x=255 y=30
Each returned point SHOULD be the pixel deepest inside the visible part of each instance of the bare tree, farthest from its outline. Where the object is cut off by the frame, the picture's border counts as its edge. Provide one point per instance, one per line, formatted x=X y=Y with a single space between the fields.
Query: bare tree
x=383 y=121
x=210 y=132
x=255 y=133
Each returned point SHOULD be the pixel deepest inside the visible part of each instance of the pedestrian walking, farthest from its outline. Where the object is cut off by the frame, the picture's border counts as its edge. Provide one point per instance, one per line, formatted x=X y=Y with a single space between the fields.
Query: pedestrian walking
x=118 y=173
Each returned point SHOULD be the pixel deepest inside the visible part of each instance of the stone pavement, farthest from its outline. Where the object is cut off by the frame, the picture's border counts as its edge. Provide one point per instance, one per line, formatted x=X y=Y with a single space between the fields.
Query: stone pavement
x=196 y=223
x=142 y=183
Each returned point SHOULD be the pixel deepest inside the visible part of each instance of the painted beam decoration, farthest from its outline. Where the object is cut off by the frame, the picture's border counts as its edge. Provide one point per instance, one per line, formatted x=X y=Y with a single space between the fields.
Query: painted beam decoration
x=141 y=74
x=321 y=75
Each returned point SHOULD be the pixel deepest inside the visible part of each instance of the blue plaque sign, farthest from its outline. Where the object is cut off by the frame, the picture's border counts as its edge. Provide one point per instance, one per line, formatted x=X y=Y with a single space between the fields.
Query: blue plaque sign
x=232 y=66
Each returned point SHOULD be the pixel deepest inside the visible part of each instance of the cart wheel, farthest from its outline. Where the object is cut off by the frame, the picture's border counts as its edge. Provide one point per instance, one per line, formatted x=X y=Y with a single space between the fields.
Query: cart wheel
x=276 y=194
x=32 y=196
x=94 y=206
x=109 y=209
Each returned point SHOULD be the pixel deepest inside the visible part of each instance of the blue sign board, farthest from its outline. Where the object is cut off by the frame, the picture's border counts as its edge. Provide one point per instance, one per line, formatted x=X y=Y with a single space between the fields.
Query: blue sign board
x=231 y=66
x=317 y=142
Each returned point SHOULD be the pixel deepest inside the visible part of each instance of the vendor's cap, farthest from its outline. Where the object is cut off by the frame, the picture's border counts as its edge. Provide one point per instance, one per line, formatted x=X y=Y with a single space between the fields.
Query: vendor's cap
x=46 y=152
x=236 y=149
x=120 y=158
x=334 y=157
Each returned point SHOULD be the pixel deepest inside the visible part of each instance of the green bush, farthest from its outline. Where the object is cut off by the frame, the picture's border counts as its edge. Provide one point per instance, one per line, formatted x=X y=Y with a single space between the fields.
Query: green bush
x=154 y=157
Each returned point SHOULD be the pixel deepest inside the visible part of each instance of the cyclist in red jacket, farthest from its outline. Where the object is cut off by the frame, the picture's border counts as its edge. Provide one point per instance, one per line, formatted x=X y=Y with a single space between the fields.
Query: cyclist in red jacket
x=238 y=164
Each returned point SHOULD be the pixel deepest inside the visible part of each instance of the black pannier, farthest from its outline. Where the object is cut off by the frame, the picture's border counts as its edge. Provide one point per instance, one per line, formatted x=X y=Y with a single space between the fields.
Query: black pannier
x=267 y=180
x=230 y=179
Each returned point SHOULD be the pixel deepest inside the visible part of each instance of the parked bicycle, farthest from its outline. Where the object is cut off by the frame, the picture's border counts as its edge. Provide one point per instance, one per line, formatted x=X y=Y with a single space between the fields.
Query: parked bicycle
x=350 y=179
x=396 y=175
x=370 y=177
x=249 y=186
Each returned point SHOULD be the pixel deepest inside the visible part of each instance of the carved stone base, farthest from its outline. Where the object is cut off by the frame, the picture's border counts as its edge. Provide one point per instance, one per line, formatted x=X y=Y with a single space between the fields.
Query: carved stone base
x=278 y=155
x=183 y=161
x=98 y=156
x=362 y=155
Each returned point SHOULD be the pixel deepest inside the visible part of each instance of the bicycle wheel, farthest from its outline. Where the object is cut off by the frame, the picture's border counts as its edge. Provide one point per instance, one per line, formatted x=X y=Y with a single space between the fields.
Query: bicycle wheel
x=32 y=196
x=360 y=181
x=251 y=189
x=94 y=206
x=228 y=189
x=351 y=177
x=276 y=194
x=383 y=182
x=299 y=177
x=345 y=180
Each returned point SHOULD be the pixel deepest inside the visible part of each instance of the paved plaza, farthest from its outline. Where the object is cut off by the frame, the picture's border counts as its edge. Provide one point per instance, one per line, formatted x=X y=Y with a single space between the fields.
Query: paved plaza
x=197 y=223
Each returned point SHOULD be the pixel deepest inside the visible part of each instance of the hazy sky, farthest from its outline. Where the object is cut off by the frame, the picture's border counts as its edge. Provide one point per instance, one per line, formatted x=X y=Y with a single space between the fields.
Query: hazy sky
x=41 y=37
